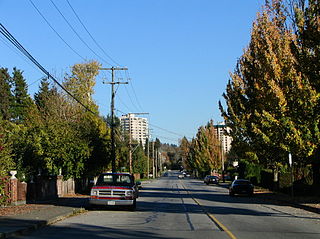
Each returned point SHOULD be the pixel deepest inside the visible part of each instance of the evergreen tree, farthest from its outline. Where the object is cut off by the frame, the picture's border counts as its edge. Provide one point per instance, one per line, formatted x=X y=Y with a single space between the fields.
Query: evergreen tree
x=43 y=93
x=6 y=97
x=22 y=100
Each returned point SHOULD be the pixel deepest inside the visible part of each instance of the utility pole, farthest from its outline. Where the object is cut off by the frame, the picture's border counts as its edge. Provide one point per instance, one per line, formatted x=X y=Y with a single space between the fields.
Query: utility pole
x=130 y=145
x=156 y=161
x=130 y=139
x=148 y=153
x=113 y=147
x=153 y=171
x=222 y=161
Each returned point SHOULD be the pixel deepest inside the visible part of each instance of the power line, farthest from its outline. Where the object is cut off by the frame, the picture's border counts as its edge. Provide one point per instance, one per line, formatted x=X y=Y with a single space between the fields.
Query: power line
x=55 y=30
x=123 y=103
x=17 y=44
x=168 y=131
x=134 y=92
x=130 y=98
x=18 y=53
x=98 y=45
x=75 y=32
x=167 y=138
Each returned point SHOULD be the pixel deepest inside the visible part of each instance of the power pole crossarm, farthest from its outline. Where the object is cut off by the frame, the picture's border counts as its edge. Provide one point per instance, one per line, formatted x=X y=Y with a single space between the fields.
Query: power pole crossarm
x=113 y=147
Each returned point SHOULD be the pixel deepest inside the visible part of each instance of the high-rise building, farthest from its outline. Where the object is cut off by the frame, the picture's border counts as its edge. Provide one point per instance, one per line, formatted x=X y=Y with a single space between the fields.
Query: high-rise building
x=220 y=131
x=138 y=127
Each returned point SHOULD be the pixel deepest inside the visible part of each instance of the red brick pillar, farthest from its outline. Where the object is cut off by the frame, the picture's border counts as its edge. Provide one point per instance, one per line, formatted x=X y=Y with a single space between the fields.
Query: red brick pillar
x=14 y=190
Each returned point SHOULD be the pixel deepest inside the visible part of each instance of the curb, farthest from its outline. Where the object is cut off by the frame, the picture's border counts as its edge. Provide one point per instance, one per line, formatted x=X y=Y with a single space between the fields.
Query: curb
x=289 y=203
x=296 y=205
x=30 y=228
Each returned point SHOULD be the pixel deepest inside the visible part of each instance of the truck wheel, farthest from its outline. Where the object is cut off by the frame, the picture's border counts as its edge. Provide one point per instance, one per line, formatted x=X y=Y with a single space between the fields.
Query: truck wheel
x=133 y=206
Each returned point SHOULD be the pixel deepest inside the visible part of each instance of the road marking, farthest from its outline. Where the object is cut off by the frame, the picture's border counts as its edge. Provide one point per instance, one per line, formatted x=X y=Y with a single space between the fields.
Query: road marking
x=211 y=216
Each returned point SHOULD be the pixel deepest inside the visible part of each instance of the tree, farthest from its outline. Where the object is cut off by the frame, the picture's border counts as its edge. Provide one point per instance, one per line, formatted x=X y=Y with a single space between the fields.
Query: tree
x=6 y=97
x=91 y=126
x=139 y=160
x=204 y=153
x=81 y=82
x=6 y=160
x=22 y=102
x=307 y=51
x=184 y=151
x=266 y=98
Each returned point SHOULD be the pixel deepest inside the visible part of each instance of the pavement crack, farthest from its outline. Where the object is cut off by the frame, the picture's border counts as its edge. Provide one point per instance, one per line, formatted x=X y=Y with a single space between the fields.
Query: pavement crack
x=185 y=209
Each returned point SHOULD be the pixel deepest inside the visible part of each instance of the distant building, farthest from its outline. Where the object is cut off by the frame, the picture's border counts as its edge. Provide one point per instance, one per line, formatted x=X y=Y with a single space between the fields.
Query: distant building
x=220 y=131
x=138 y=127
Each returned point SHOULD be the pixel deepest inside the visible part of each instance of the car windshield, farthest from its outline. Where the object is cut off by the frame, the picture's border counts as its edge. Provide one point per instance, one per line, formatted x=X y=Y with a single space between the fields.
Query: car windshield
x=114 y=180
x=213 y=177
x=242 y=182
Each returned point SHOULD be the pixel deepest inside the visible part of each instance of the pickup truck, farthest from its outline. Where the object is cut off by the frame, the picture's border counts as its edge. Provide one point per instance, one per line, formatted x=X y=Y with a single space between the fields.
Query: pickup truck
x=115 y=189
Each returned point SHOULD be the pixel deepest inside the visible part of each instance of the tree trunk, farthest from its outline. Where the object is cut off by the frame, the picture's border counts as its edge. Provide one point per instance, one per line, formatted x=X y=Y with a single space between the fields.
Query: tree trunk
x=316 y=173
x=275 y=178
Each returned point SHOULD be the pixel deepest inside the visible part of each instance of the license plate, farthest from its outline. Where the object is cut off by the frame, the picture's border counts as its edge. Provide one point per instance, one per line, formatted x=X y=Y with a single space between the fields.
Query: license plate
x=111 y=203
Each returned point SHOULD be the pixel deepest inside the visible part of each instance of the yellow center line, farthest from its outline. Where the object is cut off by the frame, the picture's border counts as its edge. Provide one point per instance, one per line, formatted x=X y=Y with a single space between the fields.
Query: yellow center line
x=223 y=227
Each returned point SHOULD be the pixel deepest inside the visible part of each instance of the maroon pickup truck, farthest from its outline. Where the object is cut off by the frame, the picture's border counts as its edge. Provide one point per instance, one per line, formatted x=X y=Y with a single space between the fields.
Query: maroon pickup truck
x=112 y=189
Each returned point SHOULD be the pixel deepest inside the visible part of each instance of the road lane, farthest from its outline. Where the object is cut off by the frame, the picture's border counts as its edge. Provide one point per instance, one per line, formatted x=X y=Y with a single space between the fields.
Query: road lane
x=253 y=217
x=168 y=208
x=164 y=210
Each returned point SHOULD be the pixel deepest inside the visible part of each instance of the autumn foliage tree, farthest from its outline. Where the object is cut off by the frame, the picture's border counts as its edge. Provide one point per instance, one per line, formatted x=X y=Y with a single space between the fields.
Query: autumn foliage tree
x=272 y=104
x=204 y=151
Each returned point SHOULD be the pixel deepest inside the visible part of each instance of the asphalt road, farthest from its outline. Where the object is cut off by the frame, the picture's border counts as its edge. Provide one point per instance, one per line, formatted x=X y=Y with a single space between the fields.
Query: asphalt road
x=187 y=208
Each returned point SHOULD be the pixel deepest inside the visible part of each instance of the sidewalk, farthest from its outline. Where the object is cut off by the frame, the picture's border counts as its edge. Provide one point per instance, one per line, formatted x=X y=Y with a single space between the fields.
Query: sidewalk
x=23 y=219
x=18 y=220
x=308 y=203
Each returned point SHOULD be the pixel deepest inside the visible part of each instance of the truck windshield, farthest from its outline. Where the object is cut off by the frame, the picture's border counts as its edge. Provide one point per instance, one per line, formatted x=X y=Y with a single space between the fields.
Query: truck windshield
x=114 y=180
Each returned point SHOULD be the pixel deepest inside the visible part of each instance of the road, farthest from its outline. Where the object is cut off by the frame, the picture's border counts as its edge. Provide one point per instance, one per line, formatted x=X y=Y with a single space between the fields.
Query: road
x=187 y=208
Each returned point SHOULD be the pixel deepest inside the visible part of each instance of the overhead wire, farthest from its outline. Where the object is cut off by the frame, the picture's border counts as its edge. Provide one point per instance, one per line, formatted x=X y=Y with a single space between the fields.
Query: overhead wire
x=77 y=34
x=18 y=53
x=123 y=103
x=97 y=44
x=36 y=81
x=167 y=138
x=134 y=92
x=52 y=28
x=133 y=104
x=168 y=131
x=17 y=44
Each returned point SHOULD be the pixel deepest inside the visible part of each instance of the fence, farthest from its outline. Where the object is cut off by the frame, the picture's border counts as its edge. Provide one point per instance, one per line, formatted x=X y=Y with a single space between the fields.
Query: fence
x=43 y=188
x=14 y=191
x=40 y=188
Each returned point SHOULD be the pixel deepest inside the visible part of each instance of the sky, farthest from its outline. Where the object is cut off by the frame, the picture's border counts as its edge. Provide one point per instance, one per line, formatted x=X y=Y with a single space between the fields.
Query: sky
x=179 y=53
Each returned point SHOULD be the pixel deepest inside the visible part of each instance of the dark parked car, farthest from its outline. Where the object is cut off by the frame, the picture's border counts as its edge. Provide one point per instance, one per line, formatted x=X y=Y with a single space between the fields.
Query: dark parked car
x=241 y=186
x=211 y=180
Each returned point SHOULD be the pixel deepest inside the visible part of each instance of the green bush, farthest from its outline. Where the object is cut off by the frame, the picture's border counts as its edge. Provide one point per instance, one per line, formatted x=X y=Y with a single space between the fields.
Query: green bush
x=4 y=195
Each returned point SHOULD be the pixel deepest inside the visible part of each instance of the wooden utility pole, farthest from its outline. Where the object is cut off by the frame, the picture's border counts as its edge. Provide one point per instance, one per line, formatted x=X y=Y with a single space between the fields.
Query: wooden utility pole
x=153 y=171
x=130 y=145
x=148 y=152
x=113 y=147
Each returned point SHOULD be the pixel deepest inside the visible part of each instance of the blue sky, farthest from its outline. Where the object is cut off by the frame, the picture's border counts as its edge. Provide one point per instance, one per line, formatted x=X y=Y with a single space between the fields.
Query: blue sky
x=179 y=52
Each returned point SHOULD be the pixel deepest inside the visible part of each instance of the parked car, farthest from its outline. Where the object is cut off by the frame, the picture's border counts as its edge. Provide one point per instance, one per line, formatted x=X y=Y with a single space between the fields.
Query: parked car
x=241 y=186
x=211 y=179
x=112 y=189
